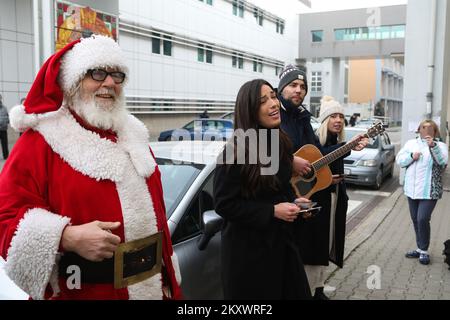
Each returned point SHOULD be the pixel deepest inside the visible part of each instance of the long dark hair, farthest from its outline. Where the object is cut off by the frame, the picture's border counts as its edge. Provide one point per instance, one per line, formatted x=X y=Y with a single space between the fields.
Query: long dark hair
x=248 y=103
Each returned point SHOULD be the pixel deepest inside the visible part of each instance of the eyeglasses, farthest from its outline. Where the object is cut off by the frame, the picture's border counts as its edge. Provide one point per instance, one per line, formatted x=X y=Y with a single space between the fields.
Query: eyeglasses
x=100 y=75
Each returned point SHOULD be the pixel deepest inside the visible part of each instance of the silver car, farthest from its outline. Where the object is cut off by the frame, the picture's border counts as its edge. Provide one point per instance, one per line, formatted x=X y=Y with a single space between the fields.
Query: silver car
x=371 y=165
x=187 y=172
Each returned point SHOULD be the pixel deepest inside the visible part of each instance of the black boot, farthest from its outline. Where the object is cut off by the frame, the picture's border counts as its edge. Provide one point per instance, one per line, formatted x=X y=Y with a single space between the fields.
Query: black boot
x=319 y=295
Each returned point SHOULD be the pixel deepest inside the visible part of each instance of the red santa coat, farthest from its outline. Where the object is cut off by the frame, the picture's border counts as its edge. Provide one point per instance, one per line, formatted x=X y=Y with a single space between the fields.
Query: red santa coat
x=60 y=173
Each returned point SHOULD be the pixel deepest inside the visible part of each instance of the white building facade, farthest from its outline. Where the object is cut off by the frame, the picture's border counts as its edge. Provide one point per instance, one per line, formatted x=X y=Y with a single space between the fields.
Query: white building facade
x=185 y=56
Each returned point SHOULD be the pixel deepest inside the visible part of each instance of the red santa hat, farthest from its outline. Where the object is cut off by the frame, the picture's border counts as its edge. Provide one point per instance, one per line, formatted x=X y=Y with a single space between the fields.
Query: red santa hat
x=61 y=74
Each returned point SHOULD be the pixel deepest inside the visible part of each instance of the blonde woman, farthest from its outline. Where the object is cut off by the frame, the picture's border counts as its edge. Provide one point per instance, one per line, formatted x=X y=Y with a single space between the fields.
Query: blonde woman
x=424 y=159
x=324 y=235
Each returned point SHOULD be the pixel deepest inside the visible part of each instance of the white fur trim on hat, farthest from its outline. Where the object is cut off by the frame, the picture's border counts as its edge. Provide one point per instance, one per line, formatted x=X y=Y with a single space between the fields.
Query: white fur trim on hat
x=329 y=106
x=94 y=52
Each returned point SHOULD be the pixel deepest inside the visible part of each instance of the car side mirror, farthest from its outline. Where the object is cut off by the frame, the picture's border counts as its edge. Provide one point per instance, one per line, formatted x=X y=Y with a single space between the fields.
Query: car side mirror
x=212 y=223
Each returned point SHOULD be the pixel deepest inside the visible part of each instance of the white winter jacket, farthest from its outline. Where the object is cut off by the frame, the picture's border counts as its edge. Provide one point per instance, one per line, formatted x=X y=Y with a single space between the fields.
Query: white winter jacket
x=423 y=178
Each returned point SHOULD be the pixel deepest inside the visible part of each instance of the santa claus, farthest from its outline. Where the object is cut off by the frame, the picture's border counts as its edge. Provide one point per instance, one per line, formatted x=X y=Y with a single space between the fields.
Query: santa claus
x=81 y=185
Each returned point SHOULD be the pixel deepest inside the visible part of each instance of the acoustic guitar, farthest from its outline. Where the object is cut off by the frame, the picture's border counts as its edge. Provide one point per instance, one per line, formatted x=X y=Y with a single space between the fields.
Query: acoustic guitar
x=320 y=176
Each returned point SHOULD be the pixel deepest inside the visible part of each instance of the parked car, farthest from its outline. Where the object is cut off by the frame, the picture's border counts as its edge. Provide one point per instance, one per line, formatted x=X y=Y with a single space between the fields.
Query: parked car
x=371 y=165
x=367 y=123
x=228 y=115
x=187 y=172
x=8 y=289
x=200 y=129
x=315 y=124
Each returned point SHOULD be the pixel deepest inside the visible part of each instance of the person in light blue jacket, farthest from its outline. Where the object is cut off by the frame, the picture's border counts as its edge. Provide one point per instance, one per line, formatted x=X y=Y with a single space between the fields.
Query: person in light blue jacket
x=425 y=159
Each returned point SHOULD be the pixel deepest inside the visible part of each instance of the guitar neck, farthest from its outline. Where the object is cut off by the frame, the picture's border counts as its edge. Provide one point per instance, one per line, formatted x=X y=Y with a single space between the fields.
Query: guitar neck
x=332 y=156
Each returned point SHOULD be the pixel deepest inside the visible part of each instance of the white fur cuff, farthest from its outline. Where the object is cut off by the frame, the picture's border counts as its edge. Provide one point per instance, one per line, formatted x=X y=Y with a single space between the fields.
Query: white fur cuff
x=32 y=254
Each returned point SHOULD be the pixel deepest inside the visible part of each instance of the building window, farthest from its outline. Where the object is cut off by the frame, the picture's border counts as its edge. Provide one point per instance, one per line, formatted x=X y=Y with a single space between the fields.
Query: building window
x=370 y=33
x=237 y=61
x=398 y=31
x=316 y=81
x=210 y=2
x=258 y=16
x=166 y=43
x=204 y=53
x=238 y=8
x=280 y=26
x=257 y=65
x=317 y=35
x=156 y=43
x=167 y=46
x=200 y=54
x=208 y=54
x=277 y=70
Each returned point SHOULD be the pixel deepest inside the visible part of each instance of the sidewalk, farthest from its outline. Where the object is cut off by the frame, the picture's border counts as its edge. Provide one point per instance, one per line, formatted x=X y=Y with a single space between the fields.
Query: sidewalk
x=381 y=241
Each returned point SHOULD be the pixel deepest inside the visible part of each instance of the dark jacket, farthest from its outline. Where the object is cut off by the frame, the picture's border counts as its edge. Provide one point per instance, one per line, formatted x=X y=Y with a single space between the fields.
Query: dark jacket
x=314 y=235
x=296 y=122
x=260 y=259
x=4 y=118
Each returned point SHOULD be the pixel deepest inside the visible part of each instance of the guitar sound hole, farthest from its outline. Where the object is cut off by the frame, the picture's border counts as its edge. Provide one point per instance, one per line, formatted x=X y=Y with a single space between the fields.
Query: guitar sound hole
x=309 y=175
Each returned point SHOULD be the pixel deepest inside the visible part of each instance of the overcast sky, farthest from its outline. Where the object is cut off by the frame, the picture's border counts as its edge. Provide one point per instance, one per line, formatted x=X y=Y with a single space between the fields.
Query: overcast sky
x=281 y=7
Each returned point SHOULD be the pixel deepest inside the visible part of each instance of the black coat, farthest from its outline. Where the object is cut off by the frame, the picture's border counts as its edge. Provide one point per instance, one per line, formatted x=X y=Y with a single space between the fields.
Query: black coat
x=260 y=259
x=314 y=235
x=296 y=122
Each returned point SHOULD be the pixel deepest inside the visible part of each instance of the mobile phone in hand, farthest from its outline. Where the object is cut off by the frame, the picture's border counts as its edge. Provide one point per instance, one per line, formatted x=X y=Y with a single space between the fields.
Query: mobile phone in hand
x=311 y=212
x=307 y=205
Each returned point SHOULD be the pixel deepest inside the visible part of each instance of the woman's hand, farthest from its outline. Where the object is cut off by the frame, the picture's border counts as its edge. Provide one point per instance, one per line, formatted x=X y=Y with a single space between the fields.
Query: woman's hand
x=416 y=155
x=302 y=202
x=93 y=241
x=336 y=178
x=286 y=211
x=362 y=142
x=430 y=141
x=301 y=166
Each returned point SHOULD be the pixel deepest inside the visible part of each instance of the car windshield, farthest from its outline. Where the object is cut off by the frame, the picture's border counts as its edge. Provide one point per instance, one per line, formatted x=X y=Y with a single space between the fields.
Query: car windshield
x=373 y=142
x=176 y=178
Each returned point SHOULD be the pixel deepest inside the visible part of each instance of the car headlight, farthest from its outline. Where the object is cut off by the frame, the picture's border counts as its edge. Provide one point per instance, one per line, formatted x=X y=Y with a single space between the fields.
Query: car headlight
x=367 y=163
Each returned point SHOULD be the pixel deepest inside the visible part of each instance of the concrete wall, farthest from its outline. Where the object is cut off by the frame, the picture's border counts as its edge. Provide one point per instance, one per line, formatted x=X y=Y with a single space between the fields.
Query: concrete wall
x=16 y=50
x=417 y=46
x=328 y=21
x=181 y=76
x=361 y=80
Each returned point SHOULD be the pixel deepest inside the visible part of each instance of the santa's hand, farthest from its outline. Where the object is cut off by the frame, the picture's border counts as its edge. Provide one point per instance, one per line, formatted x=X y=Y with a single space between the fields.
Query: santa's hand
x=93 y=241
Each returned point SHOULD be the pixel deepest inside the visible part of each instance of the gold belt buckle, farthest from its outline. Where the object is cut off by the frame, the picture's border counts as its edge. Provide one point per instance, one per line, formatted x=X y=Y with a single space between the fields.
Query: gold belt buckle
x=137 y=260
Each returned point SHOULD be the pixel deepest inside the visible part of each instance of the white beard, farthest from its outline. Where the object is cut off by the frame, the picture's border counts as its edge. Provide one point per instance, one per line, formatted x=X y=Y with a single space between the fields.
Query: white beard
x=107 y=115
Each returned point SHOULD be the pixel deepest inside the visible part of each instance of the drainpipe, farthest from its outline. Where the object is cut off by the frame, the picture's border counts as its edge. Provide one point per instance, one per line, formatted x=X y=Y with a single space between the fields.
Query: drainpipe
x=431 y=50
x=37 y=46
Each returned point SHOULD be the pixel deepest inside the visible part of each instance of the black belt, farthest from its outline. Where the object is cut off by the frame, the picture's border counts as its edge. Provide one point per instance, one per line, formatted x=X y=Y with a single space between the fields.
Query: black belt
x=136 y=263
x=90 y=272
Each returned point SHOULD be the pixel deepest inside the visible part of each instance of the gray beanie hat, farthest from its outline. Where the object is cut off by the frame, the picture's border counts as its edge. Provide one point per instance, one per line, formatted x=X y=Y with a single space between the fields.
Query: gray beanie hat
x=329 y=106
x=289 y=74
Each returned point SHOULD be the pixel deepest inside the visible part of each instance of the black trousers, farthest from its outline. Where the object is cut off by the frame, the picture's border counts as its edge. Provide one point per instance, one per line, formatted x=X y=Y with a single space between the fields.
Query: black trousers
x=4 y=139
